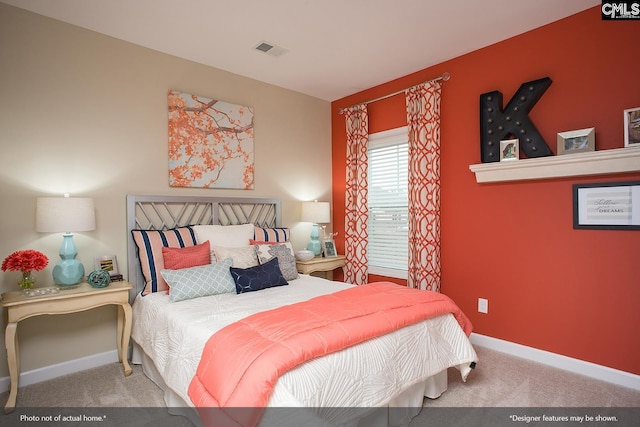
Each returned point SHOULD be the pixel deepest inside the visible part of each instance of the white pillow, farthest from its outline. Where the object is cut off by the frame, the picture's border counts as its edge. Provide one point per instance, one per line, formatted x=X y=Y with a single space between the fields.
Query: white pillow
x=200 y=281
x=228 y=236
x=242 y=257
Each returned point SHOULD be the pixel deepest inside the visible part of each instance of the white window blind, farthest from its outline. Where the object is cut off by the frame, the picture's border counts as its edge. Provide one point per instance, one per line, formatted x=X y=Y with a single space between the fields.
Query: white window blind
x=388 y=203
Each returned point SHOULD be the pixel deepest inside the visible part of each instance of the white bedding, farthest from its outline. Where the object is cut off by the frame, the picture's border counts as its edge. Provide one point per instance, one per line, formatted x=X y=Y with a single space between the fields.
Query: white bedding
x=370 y=374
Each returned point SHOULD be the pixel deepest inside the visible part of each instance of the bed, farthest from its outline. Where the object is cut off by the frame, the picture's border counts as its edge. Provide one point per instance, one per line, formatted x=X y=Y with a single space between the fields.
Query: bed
x=378 y=382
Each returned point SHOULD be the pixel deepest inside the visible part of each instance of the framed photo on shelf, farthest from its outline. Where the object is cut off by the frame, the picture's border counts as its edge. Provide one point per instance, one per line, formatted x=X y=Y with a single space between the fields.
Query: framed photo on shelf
x=108 y=263
x=509 y=150
x=607 y=206
x=330 y=249
x=632 y=127
x=577 y=141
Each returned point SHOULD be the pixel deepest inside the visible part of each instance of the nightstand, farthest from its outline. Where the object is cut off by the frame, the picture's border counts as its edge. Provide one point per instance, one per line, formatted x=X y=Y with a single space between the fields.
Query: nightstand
x=326 y=265
x=79 y=298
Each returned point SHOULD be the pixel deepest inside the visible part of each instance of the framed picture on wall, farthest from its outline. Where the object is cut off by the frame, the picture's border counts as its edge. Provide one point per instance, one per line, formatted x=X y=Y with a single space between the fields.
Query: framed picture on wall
x=577 y=141
x=632 y=127
x=608 y=206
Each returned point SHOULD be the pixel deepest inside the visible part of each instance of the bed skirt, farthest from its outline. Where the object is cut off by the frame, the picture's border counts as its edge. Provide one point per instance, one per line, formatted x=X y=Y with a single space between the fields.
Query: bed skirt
x=400 y=411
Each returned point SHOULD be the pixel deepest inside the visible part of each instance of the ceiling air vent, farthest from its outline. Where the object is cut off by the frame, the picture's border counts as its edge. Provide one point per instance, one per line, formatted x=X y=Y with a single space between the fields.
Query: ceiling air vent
x=270 y=49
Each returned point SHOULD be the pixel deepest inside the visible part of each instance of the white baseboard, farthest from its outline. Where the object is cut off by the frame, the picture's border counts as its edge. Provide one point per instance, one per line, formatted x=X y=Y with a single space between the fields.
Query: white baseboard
x=53 y=371
x=577 y=366
x=604 y=373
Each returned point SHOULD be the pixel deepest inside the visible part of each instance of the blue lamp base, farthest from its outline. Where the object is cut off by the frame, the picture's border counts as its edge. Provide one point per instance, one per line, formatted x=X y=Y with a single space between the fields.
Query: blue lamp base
x=69 y=271
x=314 y=244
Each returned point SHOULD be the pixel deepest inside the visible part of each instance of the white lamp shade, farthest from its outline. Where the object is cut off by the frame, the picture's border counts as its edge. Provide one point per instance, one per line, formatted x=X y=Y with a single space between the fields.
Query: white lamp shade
x=65 y=214
x=316 y=212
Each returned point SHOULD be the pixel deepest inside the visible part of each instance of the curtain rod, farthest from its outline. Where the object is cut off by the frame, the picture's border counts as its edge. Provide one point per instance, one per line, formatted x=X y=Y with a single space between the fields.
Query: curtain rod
x=444 y=77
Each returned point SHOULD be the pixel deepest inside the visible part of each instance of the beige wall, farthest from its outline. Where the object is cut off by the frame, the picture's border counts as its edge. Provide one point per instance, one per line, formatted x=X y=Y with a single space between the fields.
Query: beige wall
x=87 y=114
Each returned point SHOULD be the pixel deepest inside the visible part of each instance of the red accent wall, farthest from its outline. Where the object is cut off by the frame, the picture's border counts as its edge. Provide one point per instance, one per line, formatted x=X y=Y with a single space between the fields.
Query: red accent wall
x=570 y=292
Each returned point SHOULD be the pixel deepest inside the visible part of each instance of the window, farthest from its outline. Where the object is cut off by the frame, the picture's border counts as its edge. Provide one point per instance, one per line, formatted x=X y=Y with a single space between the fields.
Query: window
x=388 y=203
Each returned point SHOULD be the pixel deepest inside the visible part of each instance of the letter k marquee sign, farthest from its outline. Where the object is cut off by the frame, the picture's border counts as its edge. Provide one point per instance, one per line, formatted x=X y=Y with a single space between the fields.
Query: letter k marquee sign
x=497 y=124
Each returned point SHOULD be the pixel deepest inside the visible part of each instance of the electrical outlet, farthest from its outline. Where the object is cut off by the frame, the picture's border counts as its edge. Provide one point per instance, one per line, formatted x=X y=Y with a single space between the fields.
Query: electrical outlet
x=483 y=305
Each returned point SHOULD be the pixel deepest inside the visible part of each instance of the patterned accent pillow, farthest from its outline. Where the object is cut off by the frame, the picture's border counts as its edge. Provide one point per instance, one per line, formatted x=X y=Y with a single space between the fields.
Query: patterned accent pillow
x=201 y=281
x=277 y=234
x=191 y=256
x=242 y=257
x=256 y=278
x=285 y=255
x=150 y=244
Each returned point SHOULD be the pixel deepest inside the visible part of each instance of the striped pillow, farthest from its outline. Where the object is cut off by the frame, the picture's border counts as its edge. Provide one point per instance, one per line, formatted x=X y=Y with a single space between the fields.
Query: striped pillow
x=150 y=244
x=276 y=235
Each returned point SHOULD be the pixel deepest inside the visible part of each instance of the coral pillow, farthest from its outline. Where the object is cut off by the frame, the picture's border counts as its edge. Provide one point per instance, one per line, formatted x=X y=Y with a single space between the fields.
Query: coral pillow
x=259 y=242
x=191 y=256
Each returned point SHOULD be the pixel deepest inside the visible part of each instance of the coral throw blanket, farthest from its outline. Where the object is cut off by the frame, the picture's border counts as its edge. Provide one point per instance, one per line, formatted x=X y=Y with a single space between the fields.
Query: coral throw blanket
x=242 y=362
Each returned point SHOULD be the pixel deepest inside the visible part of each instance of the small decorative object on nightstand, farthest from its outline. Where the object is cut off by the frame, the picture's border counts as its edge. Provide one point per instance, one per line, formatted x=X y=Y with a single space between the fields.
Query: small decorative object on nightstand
x=25 y=262
x=99 y=279
x=304 y=255
x=330 y=249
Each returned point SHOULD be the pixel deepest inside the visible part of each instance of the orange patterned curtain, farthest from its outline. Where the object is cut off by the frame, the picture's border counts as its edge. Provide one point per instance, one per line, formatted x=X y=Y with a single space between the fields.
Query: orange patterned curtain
x=356 y=193
x=423 y=117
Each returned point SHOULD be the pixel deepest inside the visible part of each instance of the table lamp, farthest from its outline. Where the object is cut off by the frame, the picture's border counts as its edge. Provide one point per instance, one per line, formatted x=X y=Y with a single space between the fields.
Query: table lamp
x=315 y=212
x=66 y=214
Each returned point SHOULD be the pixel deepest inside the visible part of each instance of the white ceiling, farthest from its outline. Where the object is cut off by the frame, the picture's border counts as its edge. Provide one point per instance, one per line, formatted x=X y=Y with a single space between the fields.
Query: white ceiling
x=334 y=47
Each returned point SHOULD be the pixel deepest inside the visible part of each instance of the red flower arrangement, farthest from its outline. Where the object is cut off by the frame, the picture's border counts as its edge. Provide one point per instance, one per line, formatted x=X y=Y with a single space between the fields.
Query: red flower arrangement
x=26 y=260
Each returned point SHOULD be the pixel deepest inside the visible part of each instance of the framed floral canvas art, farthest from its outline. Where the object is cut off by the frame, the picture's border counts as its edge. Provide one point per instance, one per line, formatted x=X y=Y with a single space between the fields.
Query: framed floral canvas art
x=210 y=143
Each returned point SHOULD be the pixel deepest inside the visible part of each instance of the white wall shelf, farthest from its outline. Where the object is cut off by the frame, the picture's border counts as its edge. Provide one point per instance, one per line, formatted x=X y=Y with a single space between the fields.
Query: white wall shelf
x=618 y=160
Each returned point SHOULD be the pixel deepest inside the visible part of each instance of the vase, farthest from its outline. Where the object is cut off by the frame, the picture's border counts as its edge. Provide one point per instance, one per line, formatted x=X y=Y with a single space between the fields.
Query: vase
x=27 y=280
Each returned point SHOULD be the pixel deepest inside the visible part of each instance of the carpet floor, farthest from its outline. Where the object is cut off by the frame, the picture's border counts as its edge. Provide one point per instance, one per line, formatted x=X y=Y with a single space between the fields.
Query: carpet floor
x=499 y=381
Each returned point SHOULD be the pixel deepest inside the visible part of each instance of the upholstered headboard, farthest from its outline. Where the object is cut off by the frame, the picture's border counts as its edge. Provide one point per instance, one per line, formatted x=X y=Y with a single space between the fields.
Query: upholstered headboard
x=166 y=212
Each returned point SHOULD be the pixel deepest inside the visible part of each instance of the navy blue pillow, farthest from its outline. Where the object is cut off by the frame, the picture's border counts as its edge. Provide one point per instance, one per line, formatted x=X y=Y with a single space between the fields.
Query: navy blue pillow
x=267 y=275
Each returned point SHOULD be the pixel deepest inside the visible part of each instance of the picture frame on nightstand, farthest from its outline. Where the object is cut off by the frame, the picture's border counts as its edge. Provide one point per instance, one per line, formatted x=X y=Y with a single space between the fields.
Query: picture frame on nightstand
x=330 y=249
x=108 y=263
